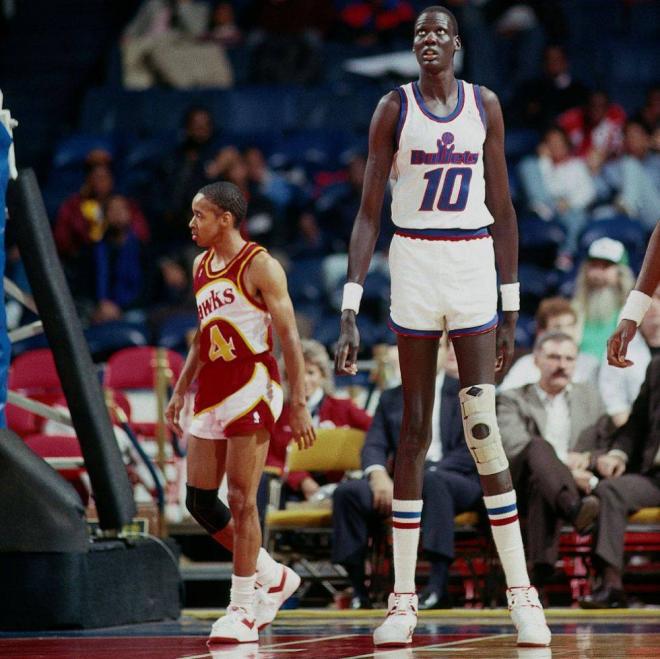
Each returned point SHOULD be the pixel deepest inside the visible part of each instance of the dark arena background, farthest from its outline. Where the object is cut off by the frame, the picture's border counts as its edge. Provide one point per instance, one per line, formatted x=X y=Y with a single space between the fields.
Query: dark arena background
x=113 y=114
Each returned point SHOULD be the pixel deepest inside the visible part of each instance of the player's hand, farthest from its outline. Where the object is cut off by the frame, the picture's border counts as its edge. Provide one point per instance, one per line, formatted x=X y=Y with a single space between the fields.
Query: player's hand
x=348 y=344
x=610 y=466
x=173 y=413
x=302 y=429
x=505 y=341
x=617 y=344
x=382 y=488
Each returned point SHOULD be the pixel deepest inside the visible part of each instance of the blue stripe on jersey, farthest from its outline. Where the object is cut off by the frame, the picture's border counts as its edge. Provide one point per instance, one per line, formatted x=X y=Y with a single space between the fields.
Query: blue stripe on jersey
x=452 y=115
x=403 y=113
x=502 y=509
x=480 y=105
x=444 y=233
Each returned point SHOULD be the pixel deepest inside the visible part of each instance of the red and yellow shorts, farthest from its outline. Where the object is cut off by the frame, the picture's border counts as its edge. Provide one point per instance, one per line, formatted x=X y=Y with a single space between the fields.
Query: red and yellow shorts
x=248 y=398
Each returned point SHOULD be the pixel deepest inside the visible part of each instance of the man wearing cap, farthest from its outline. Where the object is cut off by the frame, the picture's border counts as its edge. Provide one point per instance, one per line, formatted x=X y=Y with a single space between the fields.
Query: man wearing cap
x=602 y=284
x=549 y=430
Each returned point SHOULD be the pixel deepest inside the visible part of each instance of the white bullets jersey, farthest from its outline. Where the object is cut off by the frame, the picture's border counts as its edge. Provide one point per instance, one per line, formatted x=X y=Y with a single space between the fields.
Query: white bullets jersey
x=438 y=169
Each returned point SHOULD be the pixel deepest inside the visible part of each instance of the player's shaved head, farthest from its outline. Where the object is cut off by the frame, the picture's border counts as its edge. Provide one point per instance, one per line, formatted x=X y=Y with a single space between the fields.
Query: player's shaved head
x=439 y=9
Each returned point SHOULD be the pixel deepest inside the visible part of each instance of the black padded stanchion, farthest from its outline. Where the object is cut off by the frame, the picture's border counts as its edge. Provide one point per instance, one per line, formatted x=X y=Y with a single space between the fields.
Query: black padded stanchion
x=107 y=473
x=40 y=511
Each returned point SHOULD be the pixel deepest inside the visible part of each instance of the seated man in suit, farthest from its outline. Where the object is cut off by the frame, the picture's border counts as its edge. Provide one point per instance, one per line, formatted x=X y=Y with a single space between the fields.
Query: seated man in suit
x=631 y=471
x=549 y=430
x=451 y=486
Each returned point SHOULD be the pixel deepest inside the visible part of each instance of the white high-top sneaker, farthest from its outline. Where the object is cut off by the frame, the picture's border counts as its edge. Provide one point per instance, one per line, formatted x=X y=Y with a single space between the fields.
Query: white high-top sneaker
x=398 y=627
x=268 y=600
x=528 y=617
x=236 y=626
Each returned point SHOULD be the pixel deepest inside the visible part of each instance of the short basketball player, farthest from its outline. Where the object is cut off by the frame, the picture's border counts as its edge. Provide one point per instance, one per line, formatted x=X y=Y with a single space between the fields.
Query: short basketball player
x=442 y=142
x=637 y=304
x=241 y=295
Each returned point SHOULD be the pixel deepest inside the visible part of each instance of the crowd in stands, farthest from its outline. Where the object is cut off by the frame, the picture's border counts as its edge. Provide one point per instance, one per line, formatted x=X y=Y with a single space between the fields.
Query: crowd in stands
x=585 y=176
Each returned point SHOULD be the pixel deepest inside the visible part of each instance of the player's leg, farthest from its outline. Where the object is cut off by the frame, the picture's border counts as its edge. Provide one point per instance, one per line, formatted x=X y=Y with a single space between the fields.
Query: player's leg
x=475 y=355
x=245 y=458
x=418 y=360
x=206 y=467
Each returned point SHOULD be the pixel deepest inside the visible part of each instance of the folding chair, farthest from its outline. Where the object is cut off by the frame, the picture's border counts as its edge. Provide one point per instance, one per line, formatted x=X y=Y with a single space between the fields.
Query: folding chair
x=302 y=531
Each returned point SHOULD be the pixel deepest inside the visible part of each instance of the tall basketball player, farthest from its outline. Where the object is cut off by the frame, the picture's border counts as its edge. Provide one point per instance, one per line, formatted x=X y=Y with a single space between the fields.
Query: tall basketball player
x=441 y=140
x=241 y=295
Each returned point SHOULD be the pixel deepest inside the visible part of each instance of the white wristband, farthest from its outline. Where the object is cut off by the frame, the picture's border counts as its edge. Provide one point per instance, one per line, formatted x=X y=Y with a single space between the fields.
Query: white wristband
x=593 y=482
x=352 y=296
x=636 y=306
x=510 y=296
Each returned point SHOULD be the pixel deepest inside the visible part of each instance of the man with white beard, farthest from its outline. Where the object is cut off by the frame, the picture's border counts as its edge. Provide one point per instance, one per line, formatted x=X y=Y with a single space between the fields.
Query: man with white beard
x=603 y=282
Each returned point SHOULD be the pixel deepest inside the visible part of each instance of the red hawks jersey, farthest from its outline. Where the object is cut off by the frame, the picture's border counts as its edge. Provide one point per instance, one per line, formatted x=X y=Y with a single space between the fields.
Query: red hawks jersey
x=235 y=328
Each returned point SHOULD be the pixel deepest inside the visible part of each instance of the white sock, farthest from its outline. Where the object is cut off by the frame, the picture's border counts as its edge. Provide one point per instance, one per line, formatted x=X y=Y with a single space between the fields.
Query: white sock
x=268 y=569
x=406 y=522
x=503 y=517
x=242 y=591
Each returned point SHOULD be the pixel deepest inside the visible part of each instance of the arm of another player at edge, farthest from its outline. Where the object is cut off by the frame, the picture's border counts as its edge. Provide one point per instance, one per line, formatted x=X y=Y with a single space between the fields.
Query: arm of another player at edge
x=268 y=276
x=649 y=276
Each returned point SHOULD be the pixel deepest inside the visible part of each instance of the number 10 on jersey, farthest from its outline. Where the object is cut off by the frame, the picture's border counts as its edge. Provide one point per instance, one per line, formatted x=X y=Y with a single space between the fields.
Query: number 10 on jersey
x=455 y=176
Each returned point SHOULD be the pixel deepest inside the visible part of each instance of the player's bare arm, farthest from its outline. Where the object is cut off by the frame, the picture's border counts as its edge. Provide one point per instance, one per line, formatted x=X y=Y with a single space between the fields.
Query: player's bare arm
x=505 y=228
x=187 y=377
x=367 y=222
x=267 y=277
x=647 y=282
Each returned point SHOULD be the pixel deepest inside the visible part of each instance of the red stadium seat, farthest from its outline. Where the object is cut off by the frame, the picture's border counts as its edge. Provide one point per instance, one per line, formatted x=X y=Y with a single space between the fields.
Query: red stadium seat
x=135 y=368
x=34 y=374
x=132 y=371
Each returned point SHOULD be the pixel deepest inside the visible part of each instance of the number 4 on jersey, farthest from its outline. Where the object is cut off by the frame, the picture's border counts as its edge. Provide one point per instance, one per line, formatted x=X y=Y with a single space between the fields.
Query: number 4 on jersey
x=220 y=347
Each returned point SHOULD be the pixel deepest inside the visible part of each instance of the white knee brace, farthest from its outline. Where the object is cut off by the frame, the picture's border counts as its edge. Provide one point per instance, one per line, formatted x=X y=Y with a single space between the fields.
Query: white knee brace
x=480 y=425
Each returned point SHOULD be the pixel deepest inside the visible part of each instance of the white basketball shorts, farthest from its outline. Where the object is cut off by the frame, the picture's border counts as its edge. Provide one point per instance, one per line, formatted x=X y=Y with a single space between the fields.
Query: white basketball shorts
x=442 y=276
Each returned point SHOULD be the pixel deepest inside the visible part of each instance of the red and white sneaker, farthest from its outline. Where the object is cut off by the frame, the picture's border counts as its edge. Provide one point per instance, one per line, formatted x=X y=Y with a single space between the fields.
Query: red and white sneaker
x=269 y=599
x=238 y=625
x=401 y=621
x=528 y=617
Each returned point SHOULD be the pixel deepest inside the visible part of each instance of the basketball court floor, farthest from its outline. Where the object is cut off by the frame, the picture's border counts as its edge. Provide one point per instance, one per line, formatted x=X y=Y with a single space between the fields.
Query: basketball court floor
x=303 y=634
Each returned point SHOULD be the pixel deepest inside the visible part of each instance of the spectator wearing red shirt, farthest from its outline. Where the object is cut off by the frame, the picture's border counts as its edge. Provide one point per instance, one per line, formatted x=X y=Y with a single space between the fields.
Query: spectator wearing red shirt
x=595 y=129
x=327 y=412
x=81 y=223
x=80 y=220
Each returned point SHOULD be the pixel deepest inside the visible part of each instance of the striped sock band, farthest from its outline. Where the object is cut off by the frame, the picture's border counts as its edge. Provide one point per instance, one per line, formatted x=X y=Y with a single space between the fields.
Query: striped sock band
x=406 y=522
x=503 y=516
